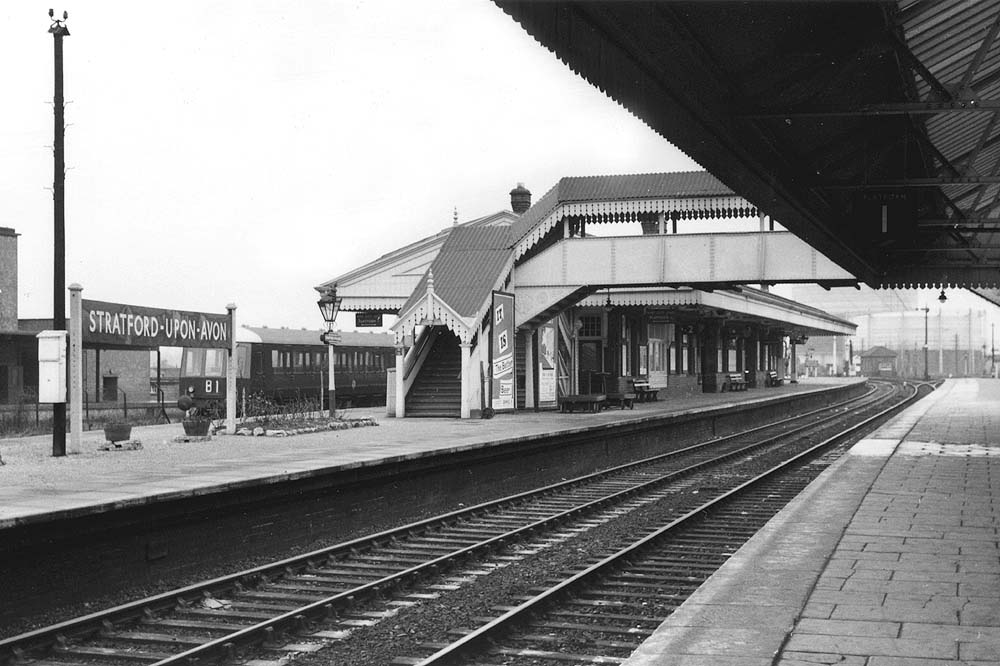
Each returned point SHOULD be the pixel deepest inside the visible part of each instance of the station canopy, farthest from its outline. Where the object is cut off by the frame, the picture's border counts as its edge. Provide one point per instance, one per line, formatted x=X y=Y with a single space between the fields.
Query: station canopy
x=869 y=129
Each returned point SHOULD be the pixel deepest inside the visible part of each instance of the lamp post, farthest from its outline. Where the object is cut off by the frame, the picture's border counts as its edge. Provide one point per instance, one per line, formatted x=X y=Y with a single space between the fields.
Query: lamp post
x=59 y=30
x=329 y=306
x=926 y=368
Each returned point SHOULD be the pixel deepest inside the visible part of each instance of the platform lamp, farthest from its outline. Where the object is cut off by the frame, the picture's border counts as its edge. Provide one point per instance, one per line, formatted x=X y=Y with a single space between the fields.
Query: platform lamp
x=329 y=306
x=925 y=310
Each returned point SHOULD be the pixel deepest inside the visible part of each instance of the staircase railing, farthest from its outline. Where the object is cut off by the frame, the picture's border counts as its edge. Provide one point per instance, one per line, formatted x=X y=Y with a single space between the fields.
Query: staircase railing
x=417 y=355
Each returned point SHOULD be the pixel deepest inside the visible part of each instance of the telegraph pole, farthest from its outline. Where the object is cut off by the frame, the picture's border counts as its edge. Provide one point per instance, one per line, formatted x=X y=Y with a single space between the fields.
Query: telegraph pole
x=58 y=30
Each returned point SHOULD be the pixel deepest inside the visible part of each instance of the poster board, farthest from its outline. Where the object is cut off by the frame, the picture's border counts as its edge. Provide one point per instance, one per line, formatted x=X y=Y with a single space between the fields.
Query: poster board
x=547 y=370
x=502 y=389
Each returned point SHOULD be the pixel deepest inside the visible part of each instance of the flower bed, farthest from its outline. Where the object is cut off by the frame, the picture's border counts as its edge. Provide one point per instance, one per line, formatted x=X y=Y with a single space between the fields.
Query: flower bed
x=302 y=426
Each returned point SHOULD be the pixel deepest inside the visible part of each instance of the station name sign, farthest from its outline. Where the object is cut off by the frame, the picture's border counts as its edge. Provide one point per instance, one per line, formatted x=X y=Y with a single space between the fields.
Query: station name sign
x=138 y=326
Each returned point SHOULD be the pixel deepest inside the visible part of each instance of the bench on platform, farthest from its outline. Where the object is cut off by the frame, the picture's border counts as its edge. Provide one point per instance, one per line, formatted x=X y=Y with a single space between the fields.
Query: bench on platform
x=623 y=393
x=734 y=381
x=643 y=391
x=772 y=379
x=592 y=402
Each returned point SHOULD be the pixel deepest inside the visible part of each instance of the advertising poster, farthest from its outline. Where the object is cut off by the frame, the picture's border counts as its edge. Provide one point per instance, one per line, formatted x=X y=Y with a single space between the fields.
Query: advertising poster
x=547 y=365
x=502 y=352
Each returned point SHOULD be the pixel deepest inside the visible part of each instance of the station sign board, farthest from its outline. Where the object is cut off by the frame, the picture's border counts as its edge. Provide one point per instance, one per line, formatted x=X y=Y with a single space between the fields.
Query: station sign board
x=117 y=324
x=367 y=319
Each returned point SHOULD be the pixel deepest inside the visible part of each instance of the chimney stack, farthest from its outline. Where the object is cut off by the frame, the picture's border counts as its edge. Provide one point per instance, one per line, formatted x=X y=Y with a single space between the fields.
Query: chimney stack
x=520 y=199
x=8 y=279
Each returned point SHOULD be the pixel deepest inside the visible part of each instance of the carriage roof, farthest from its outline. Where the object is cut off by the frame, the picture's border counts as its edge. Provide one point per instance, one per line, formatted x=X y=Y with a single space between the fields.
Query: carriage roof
x=296 y=336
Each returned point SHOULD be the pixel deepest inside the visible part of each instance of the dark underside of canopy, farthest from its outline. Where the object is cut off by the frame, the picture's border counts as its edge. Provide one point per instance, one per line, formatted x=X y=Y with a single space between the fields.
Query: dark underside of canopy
x=869 y=129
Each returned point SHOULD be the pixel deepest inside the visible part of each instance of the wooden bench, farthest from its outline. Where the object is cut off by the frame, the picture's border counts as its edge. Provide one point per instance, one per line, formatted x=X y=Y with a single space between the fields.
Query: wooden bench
x=623 y=393
x=592 y=402
x=772 y=379
x=643 y=391
x=734 y=381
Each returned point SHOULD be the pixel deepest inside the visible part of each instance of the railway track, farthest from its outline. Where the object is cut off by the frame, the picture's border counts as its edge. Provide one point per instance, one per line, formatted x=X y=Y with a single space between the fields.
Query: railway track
x=599 y=615
x=322 y=594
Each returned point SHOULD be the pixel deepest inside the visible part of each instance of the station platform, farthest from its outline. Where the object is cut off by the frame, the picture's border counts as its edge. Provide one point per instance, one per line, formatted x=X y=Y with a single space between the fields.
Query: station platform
x=36 y=487
x=890 y=558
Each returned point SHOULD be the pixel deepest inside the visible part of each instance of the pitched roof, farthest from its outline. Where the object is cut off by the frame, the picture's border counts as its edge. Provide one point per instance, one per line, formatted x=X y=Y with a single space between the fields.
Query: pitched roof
x=578 y=189
x=879 y=352
x=467 y=268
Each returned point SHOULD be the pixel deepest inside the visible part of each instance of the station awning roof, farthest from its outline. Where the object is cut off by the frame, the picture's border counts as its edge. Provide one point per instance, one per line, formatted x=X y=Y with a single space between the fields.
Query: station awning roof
x=867 y=128
x=737 y=306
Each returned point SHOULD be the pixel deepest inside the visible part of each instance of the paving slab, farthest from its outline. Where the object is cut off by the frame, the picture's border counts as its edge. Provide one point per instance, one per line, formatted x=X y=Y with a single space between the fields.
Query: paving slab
x=894 y=554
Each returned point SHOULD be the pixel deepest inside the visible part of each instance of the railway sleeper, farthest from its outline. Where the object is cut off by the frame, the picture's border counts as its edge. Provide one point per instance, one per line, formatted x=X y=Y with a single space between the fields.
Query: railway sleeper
x=594 y=642
x=652 y=622
x=181 y=640
x=556 y=656
x=91 y=652
x=199 y=625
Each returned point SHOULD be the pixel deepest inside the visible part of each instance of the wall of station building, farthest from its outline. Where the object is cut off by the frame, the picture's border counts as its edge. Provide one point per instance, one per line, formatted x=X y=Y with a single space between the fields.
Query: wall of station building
x=595 y=346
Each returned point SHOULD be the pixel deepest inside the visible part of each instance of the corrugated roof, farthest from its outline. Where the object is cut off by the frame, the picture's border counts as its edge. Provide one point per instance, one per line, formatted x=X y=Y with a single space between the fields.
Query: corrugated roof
x=677 y=184
x=623 y=187
x=869 y=129
x=467 y=268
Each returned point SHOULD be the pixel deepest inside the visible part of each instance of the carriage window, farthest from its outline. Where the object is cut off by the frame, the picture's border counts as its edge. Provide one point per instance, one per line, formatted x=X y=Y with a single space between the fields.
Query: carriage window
x=242 y=361
x=300 y=359
x=215 y=362
x=194 y=362
x=274 y=358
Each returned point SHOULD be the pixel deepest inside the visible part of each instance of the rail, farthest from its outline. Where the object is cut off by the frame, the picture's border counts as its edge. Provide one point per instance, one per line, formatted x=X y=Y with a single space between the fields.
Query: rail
x=325 y=607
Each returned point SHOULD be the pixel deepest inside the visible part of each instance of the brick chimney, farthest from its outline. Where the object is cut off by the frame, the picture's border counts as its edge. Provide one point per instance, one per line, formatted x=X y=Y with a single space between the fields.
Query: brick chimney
x=520 y=199
x=8 y=279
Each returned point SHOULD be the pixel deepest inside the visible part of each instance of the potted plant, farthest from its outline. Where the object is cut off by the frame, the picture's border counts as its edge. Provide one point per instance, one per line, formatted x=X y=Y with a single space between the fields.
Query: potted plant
x=195 y=423
x=117 y=431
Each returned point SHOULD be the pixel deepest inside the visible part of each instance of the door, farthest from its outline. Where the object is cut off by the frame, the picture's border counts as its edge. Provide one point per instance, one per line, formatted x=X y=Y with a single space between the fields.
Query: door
x=590 y=363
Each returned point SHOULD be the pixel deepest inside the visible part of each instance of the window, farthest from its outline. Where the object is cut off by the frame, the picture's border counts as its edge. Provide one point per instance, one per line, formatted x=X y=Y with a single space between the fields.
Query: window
x=660 y=345
x=685 y=356
x=215 y=362
x=590 y=326
x=242 y=361
x=194 y=362
x=274 y=359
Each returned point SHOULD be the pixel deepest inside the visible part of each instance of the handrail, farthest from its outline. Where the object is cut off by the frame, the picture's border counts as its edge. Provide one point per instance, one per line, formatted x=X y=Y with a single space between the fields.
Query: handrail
x=418 y=351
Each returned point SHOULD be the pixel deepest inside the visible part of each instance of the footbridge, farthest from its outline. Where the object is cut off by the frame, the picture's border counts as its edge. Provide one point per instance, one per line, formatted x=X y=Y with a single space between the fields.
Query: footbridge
x=570 y=269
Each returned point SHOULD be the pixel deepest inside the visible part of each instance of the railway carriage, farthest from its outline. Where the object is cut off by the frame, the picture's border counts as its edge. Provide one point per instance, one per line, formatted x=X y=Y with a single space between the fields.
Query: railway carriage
x=284 y=365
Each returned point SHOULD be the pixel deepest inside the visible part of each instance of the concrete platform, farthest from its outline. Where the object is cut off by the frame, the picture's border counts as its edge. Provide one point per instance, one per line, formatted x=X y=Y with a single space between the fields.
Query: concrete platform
x=890 y=558
x=35 y=487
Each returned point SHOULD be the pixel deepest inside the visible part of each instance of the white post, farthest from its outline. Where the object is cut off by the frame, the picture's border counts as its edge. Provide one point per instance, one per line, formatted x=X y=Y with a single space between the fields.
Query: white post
x=400 y=397
x=231 y=373
x=75 y=368
x=466 y=411
x=331 y=366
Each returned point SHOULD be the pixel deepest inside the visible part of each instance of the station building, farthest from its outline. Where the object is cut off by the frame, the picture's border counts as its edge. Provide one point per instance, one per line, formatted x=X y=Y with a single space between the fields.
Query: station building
x=670 y=309
x=113 y=377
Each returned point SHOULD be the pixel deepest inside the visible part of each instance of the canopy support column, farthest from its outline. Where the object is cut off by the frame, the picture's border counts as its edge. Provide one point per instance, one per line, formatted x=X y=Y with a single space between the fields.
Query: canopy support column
x=466 y=409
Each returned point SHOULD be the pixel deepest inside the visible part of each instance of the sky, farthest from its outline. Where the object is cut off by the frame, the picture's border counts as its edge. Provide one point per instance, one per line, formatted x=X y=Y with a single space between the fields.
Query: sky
x=246 y=152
